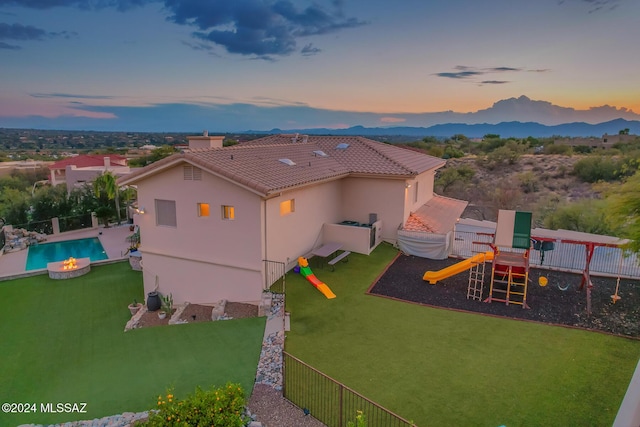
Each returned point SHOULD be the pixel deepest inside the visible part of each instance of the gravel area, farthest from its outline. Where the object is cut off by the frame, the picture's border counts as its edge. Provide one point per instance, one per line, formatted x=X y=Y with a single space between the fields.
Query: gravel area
x=273 y=410
x=560 y=302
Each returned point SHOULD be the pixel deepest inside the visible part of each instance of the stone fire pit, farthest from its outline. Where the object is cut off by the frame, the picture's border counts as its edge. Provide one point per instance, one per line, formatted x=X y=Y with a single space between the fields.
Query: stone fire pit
x=69 y=268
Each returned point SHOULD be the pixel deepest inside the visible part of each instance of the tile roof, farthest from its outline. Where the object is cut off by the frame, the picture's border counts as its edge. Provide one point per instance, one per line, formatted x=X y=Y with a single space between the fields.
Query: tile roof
x=363 y=155
x=256 y=164
x=88 y=160
x=438 y=215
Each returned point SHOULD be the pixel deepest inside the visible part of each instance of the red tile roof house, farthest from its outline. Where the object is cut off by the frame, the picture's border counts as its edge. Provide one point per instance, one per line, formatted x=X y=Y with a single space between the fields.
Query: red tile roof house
x=212 y=215
x=77 y=170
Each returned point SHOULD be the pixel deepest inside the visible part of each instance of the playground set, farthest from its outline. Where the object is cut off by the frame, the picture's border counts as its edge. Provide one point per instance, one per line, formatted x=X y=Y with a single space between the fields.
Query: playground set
x=509 y=255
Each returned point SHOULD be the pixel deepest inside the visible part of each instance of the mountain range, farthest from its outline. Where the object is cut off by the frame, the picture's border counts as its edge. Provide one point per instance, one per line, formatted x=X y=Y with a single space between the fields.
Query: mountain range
x=504 y=129
x=518 y=117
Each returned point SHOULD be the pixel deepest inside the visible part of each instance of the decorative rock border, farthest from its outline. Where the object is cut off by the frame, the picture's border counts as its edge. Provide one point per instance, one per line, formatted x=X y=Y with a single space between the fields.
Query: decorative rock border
x=269 y=369
x=122 y=420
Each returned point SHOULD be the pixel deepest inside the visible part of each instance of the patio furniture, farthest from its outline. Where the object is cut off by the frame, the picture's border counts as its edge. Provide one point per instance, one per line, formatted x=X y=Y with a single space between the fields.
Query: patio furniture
x=342 y=256
x=325 y=251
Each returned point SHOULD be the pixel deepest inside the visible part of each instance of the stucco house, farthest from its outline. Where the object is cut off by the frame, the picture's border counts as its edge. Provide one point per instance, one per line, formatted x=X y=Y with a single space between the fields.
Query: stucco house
x=213 y=217
x=75 y=171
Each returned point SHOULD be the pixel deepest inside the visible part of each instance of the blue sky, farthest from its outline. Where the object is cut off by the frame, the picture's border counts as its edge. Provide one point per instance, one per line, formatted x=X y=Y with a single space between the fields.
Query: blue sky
x=233 y=65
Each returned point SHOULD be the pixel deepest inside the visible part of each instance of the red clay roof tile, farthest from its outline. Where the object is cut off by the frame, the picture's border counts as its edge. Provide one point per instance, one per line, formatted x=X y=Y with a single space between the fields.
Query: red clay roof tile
x=256 y=164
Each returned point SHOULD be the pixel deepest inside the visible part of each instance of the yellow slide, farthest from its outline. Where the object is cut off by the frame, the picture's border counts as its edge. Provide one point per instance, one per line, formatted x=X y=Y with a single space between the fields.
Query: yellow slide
x=433 y=276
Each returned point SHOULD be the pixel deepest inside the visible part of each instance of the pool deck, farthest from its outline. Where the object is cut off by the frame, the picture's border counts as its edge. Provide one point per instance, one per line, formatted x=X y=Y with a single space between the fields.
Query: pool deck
x=113 y=239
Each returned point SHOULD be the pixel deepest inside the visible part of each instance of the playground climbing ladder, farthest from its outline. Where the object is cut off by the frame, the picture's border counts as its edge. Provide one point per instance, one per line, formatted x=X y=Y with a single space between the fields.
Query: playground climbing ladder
x=476 y=281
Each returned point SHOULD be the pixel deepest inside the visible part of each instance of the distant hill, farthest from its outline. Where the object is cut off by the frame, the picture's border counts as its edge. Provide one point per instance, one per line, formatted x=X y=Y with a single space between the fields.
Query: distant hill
x=504 y=129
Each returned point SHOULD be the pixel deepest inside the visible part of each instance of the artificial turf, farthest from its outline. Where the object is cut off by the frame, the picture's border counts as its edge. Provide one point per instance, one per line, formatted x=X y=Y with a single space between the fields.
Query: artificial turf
x=444 y=368
x=63 y=341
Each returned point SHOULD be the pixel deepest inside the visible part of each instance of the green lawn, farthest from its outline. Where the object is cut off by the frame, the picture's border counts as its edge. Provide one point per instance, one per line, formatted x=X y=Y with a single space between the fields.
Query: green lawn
x=445 y=368
x=63 y=341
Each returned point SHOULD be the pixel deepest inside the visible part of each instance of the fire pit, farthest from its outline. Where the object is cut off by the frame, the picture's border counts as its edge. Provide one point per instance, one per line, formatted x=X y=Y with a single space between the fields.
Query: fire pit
x=69 y=268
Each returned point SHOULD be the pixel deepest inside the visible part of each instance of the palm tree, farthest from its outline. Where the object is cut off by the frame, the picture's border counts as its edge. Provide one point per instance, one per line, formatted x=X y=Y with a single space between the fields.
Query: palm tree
x=106 y=184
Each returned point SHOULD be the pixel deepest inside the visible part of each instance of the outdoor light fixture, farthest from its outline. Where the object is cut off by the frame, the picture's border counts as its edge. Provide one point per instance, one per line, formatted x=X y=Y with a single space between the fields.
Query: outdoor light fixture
x=407 y=185
x=141 y=210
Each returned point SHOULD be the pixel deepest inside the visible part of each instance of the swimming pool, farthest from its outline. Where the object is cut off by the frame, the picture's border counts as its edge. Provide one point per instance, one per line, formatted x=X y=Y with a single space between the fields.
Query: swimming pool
x=40 y=255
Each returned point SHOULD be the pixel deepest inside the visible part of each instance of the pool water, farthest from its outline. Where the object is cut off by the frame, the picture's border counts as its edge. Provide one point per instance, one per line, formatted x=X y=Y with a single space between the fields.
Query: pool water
x=40 y=255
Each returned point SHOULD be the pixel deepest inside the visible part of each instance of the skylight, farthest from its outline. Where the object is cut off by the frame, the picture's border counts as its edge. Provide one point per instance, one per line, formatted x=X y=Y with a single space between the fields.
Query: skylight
x=342 y=146
x=288 y=162
x=320 y=153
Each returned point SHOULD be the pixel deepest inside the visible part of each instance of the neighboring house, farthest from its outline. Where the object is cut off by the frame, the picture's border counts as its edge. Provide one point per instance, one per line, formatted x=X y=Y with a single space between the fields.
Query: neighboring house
x=78 y=170
x=212 y=216
x=607 y=141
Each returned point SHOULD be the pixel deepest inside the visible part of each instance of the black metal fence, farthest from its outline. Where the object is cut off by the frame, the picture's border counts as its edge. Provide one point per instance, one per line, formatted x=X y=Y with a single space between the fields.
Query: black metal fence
x=77 y=222
x=329 y=401
x=42 y=227
x=274 y=273
x=2 y=238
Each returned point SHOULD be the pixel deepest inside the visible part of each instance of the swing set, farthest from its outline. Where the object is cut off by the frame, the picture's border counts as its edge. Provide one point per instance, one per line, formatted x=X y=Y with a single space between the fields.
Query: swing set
x=586 y=274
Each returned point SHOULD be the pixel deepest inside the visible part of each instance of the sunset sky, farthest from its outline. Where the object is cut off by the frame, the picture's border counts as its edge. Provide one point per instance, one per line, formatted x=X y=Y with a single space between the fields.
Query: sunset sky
x=261 y=64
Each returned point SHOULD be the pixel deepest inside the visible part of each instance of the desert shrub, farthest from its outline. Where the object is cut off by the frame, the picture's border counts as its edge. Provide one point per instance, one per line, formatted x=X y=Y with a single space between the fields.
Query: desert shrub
x=564 y=150
x=451 y=152
x=360 y=420
x=597 y=168
x=587 y=216
x=529 y=182
x=506 y=195
x=450 y=176
x=582 y=149
x=561 y=171
x=218 y=407
x=498 y=157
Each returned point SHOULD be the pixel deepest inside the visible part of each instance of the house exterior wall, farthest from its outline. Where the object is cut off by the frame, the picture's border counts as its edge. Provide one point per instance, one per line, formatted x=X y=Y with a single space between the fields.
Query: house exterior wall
x=74 y=176
x=295 y=234
x=420 y=192
x=57 y=176
x=203 y=258
x=385 y=197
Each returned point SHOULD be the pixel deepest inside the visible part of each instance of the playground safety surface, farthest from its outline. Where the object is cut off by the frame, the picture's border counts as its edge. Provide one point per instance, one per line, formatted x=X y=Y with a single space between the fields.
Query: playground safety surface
x=549 y=304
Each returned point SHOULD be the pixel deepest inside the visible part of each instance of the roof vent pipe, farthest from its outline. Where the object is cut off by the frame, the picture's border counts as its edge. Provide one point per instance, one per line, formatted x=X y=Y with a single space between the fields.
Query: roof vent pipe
x=205 y=133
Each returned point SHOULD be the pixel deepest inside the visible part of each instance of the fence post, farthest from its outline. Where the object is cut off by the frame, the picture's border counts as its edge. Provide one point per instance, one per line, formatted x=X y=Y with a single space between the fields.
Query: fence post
x=55 y=225
x=341 y=407
x=94 y=220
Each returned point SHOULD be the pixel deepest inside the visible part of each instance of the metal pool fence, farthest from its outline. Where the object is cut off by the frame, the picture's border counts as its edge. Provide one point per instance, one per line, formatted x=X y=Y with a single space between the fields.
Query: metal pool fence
x=330 y=401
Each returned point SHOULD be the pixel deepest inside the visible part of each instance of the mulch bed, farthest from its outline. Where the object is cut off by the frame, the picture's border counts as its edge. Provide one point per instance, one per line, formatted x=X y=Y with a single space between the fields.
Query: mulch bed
x=549 y=304
x=195 y=313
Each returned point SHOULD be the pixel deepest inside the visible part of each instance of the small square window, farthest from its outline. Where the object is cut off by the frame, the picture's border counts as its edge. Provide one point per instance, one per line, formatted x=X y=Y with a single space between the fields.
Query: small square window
x=166 y=213
x=203 y=209
x=287 y=207
x=228 y=212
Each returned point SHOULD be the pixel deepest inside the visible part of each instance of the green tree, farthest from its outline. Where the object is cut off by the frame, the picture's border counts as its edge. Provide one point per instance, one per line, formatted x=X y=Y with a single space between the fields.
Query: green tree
x=14 y=206
x=450 y=176
x=157 y=154
x=105 y=184
x=623 y=211
x=49 y=202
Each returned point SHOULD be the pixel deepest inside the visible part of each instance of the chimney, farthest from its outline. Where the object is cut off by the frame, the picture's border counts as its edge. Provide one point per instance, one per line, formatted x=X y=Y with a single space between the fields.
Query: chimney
x=107 y=162
x=205 y=141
